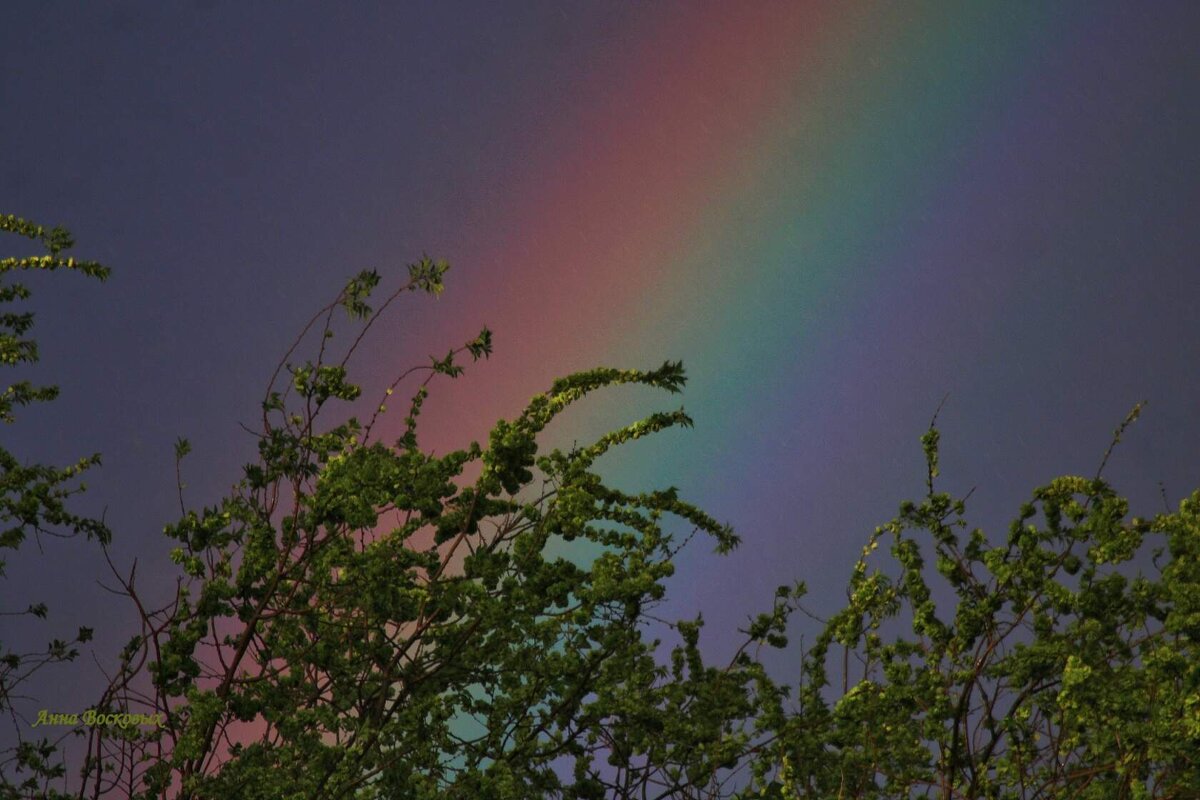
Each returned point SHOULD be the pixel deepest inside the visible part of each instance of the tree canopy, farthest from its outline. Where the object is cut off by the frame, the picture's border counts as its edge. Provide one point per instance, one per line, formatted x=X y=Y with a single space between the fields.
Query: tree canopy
x=1049 y=663
x=34 y=500
x=360 y=617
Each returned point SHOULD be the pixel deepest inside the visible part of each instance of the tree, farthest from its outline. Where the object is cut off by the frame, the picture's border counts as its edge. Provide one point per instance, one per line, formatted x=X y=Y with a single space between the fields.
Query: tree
x=362 y=618
x=1055 y=663
x=34 y=499
x=359 y=620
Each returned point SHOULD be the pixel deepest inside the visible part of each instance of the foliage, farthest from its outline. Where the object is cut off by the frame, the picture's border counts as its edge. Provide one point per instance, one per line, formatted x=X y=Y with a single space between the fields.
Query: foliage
x=33 y=499
x=363 y=618
x=1051 y=664
x=358 y=619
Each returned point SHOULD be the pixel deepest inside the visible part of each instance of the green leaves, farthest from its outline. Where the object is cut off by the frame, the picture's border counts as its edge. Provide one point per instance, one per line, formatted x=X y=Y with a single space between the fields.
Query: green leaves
x=1038 y=668
x=322 y=382
x=34 y=498
x=427 y=275
x=393 y=627
x=354 y=296
x=55 y=240
x=481 y=345
x=14 y=348
x=361 y=619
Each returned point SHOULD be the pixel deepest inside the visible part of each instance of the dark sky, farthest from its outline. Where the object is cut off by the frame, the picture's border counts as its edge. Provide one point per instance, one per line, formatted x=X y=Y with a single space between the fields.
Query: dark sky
x=835 y=215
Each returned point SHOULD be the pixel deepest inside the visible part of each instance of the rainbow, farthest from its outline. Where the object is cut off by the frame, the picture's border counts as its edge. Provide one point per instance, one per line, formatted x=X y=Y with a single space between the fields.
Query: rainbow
x=750 y=188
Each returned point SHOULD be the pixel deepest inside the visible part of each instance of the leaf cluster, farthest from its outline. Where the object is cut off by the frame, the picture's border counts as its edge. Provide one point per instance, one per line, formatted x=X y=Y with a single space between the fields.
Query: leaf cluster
x=34 y=499
x=1061 y=661
x=359 y=619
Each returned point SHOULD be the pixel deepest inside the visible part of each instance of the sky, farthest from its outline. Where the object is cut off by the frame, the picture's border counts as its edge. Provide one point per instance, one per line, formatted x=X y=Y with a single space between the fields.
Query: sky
x=836 y=215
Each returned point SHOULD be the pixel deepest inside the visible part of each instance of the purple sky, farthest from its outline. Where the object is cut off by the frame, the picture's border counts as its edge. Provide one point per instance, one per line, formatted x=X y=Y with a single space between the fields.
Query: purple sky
x=1003 y=208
